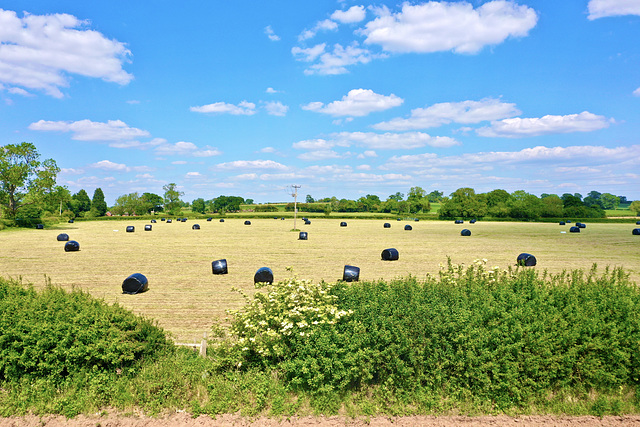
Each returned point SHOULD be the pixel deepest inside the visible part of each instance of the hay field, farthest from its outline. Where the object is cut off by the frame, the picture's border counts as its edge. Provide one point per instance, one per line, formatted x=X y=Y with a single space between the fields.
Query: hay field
x=184 y=296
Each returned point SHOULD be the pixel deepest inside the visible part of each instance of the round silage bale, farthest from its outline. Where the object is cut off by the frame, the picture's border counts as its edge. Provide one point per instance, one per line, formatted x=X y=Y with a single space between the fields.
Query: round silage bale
x=63 y=237
x=465 y=232
x=130 y=229
x=72 y=246
x=408 y=227
x=303 y=235
x=135 y=284
x=636 y=232
x=40 y=227
x=247 y=222
x=387 y=225
x=390 y=254
x=195 y=227
x=343 y=224
x=219 y=266
x=351 y=273
x=263 y=275
x=221 y=219
x=526 y=260
x=574 y=230
x=148 y=227
x=562 y=223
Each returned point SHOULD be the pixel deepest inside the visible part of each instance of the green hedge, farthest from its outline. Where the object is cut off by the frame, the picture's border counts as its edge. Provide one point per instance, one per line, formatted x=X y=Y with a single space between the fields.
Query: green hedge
x=54 y=334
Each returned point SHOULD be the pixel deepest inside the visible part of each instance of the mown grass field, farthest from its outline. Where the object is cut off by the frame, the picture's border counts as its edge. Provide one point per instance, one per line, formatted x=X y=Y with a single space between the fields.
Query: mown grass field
x=184 y=296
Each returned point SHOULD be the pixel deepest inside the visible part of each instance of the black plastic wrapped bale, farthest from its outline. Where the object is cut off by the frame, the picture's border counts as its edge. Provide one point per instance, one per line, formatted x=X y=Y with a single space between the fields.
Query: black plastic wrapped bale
x=390 y=254
x=221 y=219
x=637 y=222
x=168 y=221
x=343 y=224
x=219 y=266
x=209 y=219
x=135 y=284
x=153 y=221
x=408 y=227
x=163 y=219
x=70 y=221
x=40 y=227
x=263 y=275
x=568 y=222
x=581 y=225
x=303 y=235
x=636 y=232
x=195 y=227
x=307 y=222
x=64 y=237
x=458 y=221
x=148 y=227
x=574 y=230
x=526 y=260
x=473 y=221
x=184 y=219
x=130 y=229
x=398 y=219
x=247 y=223
x=71 y=246
x=417 y=219
x=351 y=273
x=282 y=219
x=387 y=225
x=562 y=223
x=465 y=232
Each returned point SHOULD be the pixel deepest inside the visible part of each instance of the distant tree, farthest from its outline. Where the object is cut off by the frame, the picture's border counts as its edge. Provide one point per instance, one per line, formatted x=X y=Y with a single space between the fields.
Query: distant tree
x=464 y=203
x=569 y=200
x=635 y=207
x=80 y=202
x=129 y=204
x=248 y=202
x=609 y=201
x=368 y=203
x=435 y=196
x=152 y=202
x=227 y=203
x=98 y=203
x=523 y=205
x=309 y=199
x=418 y=200
x=623 y=199
x=24 y=180
x=58 y=200
x=172 y=202
x=397 y=197
x=198 y=205
x=551 y=206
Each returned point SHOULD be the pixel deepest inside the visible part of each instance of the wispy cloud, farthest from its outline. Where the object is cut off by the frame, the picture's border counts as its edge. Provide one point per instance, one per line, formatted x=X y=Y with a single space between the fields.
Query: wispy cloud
x=546 y=125
x=186 y=149
x=251 y=164
x=269 y=32
x=244 y=108
x=605 y=8
x=87 y=130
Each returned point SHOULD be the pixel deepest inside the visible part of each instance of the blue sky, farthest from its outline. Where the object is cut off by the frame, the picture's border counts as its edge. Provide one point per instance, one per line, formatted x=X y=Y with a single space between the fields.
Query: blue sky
x=344 y=98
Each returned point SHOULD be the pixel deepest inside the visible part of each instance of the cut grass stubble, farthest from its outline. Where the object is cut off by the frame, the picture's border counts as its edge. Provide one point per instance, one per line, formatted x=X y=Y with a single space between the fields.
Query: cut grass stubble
x=185 y=297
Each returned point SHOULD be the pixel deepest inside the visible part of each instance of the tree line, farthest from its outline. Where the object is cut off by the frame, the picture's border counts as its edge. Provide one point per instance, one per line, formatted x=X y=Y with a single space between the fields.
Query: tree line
x=28 y=192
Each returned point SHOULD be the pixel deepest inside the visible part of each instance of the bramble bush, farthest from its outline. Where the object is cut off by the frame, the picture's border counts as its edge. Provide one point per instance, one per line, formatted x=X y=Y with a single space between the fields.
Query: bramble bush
x=54 y=334
x=475 y=334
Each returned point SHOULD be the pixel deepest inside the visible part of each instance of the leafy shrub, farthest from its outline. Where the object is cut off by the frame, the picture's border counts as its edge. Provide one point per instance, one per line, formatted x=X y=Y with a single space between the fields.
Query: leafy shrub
x=53 y=334
x=470 y=334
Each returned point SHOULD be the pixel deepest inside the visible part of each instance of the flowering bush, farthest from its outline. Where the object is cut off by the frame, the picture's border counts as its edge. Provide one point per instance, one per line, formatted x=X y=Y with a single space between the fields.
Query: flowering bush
x=291 y=308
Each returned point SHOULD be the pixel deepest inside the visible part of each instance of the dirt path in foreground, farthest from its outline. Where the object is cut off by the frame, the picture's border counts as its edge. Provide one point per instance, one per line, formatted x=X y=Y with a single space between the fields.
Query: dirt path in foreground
x=183 y=419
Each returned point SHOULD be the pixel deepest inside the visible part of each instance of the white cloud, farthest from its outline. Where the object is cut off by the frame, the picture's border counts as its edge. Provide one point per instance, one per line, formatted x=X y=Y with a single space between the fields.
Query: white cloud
x=443 y=26
x=269 y=32
x=188 y=149
x=604 y=8
x=522 y=127
x=179 y=162
x=465 y=112
x=336 y=62
x=244 y=108
x=267 y=150
x=371 y=140
x=358 y=103
x=86 y=130
x=637 y=92
x=271 y=90
x=251 y=164
x=138 y=144
x=108 y=165
x=276 y=108
x=193 y=175
x=309 y=54
x=320 y=155
x=39 y=51
x=364 y=167
x=325 y=25
x=350 y=16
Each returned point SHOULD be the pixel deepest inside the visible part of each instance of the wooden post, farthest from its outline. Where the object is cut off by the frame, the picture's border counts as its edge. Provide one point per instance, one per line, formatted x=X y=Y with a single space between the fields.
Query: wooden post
x=203 y=346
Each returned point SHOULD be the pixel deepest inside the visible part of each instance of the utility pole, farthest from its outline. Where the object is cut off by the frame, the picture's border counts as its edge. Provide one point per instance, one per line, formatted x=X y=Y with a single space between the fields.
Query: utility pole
x=295 y=204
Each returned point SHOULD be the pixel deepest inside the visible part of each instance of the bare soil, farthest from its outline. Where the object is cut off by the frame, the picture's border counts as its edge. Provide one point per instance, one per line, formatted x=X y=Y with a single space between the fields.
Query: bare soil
x=184 y=419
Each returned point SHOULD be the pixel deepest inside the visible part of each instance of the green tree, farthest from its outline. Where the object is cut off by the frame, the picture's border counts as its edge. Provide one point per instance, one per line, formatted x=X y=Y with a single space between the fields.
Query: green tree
x=24 y=180
x=464 y=203
x=609 y=201
x=524 y=205
x=248 y=202
x=227 y=203
x=309 y=199
x=635 y=207
x=397 y=197
x=418 y=200
x=369 y=203
x=80 y=202
x=551 y=206
x=98 y=203
x=435 y=196
x=152 y=202
x=172 y=202
x=198 y=205
x=129 y=204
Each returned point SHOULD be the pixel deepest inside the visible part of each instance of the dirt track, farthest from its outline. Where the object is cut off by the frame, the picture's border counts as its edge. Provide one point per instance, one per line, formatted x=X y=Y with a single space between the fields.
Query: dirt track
x=183 y=419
